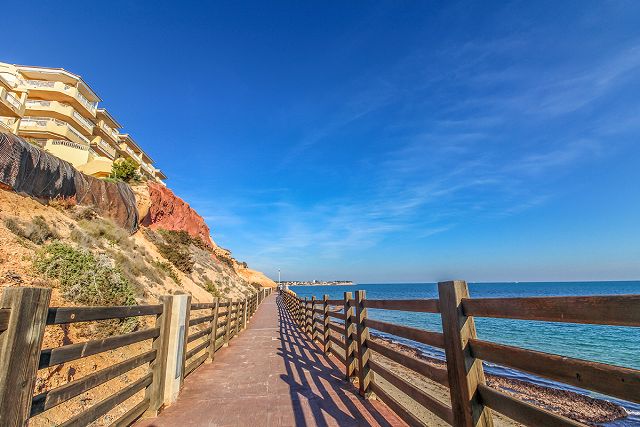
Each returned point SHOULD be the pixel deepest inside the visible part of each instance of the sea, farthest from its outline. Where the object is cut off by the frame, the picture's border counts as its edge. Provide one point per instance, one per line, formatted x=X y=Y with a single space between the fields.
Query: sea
x=607 y=344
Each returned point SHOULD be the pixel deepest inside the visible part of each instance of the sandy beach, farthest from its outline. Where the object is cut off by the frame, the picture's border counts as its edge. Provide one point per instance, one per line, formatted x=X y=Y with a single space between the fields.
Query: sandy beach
x=581 y=408
x=576 y=406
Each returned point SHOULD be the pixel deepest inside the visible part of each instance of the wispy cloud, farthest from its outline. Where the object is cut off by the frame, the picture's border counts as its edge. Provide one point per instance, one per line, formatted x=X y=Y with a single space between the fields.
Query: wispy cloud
x=483 y=153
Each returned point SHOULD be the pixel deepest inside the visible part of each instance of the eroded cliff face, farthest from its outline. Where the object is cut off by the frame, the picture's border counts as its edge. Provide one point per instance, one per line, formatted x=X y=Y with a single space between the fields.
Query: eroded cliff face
x=160 y=208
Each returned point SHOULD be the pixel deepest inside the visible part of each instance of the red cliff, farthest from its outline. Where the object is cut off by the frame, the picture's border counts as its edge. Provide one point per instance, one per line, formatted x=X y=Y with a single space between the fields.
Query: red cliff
x=168 y=211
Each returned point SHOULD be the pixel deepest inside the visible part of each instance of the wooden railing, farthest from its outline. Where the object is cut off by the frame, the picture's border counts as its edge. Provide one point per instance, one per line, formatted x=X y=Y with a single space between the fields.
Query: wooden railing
x=344 y=325
x=178 y=344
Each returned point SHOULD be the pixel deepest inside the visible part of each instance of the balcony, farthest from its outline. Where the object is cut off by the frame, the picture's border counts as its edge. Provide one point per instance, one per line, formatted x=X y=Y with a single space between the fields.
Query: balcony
x=99 y=167
x=149 y=169
x=69 y=144
x=72 y=152
x=132 y=154
x=37 y=126
x=103 y=129
x=10 y=104
x=103 y=148
x=60 y=110
x=7 y=124
x=59 y=91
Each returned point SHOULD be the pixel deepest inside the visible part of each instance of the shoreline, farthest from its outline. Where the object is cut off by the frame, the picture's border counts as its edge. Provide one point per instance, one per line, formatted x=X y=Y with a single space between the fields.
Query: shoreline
x=323 y=283
x=576 y=406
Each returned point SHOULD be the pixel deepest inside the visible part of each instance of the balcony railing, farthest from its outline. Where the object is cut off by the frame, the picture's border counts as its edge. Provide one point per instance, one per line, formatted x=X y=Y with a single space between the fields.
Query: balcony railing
x=134 y=155
x=109 y=130
x=9 y=121
x=148 y=168
x=91 y=106
x=4 y=123
x=39 y=83
x=104 y=146
x=37 y=103
x=88 y=124
x=69 y=144
x=43 y=122
x=14 y=100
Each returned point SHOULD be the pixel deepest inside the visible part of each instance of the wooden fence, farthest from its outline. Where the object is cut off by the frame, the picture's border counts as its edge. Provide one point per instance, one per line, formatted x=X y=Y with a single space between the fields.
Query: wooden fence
x=178 y=345
x=344 y=324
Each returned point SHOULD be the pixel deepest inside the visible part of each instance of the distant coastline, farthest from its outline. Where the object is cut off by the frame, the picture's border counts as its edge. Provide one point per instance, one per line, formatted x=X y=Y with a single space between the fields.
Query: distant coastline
x=317 y=283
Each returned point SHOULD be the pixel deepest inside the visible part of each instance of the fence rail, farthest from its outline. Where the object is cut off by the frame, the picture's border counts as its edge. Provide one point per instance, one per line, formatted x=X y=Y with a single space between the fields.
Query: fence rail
x=178 y=344
x=346 y=335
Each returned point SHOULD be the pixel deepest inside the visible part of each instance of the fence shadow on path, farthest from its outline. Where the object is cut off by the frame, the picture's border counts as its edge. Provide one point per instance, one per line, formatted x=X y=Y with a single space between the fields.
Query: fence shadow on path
x=319 y=393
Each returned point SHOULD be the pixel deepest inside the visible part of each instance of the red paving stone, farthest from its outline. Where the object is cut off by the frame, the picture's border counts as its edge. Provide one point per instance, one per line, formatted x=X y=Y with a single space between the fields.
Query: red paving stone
x=271 y=375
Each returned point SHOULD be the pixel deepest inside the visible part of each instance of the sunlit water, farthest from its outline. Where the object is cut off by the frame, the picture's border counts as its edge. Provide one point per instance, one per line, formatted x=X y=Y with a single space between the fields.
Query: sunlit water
x=607 y=344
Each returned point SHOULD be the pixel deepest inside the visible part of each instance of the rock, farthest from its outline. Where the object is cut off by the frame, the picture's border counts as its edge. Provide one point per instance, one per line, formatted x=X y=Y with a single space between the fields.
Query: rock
x=169 y=212
x=28 y=170
x=143 y=200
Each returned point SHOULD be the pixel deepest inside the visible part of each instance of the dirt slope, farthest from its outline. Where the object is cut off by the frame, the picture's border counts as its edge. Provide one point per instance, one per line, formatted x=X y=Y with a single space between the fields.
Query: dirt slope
x=150 y=263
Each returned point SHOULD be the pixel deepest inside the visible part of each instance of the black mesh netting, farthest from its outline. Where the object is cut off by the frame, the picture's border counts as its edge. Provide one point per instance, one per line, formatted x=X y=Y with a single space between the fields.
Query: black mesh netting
x=29 y=170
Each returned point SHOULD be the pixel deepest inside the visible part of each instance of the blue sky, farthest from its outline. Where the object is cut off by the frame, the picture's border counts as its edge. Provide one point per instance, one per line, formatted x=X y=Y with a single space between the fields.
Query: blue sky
x=378 y=141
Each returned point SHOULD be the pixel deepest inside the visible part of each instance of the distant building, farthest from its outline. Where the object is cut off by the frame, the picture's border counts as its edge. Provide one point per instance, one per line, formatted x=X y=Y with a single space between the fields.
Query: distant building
x=58 y=111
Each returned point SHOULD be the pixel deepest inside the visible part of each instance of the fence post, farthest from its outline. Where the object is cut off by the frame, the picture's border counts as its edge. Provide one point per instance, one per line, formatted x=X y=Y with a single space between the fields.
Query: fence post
x=308 y=318
x=364 y=373
x=326 y=342
x=238 y=317
x=155 y=391
x=184 y=338
x=463 y=370
x=304 y=316
x=174 y=339
x=20 y=346
x=214 y=331
x=227 y=329
x=232 y=318
x=244 y=313
x=254 y=299
x=348 y=340
x=313 y=318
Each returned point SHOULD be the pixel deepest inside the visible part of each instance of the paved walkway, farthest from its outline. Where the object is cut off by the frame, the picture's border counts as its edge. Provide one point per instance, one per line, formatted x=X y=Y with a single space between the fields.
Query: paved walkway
x=270 y=375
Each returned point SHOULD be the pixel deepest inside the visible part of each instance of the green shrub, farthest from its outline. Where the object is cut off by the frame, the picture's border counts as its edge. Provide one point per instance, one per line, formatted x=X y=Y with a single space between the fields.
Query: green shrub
x=181 y=237
x=91 y=280
x=106 y=229
x=225 y=260
x=211 y=288
x=37 y=231
x=124 y=169
x=175 y=247
x=82 y=239
x=133 y=266
x=14 y=227
x=166 y=268
x=84 y=278
x=177 y=255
